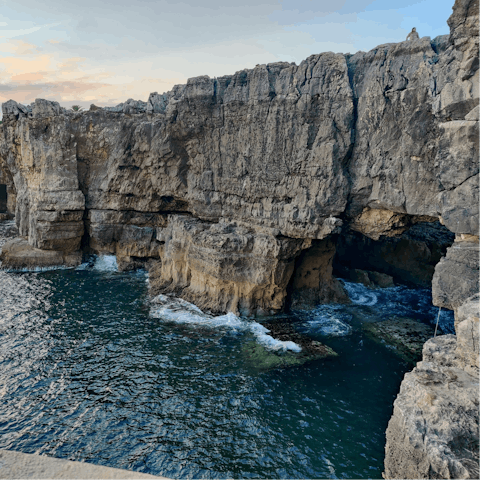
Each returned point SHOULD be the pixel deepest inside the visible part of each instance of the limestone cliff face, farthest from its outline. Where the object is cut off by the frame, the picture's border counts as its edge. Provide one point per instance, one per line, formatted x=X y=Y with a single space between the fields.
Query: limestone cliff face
x=289 y=154
x=234 y=190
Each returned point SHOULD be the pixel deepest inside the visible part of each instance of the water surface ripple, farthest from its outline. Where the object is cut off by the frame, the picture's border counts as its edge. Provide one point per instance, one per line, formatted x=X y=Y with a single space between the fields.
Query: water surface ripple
x=86 y=374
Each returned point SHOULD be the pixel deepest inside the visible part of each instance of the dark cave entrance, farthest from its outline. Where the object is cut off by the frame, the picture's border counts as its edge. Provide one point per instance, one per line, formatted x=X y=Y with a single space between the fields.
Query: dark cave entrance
x=3 y=198
x=409 y=259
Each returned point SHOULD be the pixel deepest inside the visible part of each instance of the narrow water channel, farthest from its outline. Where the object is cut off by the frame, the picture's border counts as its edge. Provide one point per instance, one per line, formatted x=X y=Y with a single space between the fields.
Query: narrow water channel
x=88 y=373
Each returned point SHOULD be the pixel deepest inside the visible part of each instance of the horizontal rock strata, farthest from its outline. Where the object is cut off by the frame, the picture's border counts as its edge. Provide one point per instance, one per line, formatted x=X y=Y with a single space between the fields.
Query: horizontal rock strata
x=234 y=190
x=374 y=142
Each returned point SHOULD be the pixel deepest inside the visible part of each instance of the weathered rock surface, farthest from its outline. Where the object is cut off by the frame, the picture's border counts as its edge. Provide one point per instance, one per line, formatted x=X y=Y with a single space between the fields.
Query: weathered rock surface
x=406 y=335
x=456 y=277
x=233 y=190
x=370 y=279
x=8 y=229
x=225 y=266
x=378 y=140
x=434 y=430
x=23 y=465
x=19 y=254
x=312 y=281
x=259 y=357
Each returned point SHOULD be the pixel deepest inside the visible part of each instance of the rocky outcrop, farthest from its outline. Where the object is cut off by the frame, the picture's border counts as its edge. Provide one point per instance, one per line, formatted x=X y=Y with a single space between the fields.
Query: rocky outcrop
x=233 y=191
x=312 y=281
x=434 y=430
x=377 y=142
x=405 y=335
x=225 y=266
x=457 y=274
x=19 y=254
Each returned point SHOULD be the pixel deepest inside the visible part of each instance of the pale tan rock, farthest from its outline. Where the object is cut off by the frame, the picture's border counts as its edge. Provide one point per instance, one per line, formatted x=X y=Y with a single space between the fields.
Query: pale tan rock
x=467 y=330
x=433 y=432
x=224 y=267
x=379 y=139
x=19 y=465
x=376 y=222
x=312 y=281
x=19 y=254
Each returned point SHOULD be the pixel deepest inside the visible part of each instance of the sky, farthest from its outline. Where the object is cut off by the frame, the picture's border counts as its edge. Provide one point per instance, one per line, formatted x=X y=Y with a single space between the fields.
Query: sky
x=104 y=52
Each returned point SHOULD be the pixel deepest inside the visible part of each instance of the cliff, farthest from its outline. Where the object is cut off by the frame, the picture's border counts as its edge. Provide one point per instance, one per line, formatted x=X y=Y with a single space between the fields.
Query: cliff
x=235 y=190
x=265 y=163
x=433 y=432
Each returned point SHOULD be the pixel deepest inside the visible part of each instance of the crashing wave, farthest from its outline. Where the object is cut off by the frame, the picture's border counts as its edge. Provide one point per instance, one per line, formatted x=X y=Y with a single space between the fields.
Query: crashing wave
x=179 y=311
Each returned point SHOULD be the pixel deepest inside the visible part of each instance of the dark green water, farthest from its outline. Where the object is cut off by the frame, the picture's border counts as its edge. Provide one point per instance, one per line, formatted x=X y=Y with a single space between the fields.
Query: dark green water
x=87 y=374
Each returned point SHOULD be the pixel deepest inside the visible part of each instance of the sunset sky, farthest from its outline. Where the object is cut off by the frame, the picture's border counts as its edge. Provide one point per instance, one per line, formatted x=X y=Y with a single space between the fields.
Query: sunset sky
x=104 y=52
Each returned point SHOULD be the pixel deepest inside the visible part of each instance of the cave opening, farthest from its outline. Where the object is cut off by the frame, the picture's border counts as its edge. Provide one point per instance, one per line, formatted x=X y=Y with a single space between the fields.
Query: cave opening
x=3 y=199
x=408 y=259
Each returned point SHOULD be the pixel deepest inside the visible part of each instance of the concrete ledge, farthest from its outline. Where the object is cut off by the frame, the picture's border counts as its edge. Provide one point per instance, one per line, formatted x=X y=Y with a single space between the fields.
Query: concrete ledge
x=22 y=465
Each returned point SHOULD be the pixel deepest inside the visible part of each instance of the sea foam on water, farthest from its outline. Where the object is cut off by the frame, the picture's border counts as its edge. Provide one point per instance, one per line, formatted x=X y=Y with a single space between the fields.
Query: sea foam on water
x=180 y=311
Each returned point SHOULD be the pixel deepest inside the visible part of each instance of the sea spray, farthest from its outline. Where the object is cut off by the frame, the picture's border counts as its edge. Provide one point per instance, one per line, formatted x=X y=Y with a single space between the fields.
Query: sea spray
x=399 y=301
x=100 y=263
x=179 y=311
x=106 y=263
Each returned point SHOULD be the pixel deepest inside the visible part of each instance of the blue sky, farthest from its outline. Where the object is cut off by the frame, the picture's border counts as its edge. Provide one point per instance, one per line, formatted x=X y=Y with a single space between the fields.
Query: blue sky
x=105 y=52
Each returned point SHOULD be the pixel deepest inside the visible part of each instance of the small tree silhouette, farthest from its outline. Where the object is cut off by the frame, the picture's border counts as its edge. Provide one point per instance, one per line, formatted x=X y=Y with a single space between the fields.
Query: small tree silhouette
x=77 y=108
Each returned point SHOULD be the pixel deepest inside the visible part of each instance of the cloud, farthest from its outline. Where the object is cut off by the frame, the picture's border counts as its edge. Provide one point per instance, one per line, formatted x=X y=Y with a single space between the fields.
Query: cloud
x=107 y=51
x=28 y=73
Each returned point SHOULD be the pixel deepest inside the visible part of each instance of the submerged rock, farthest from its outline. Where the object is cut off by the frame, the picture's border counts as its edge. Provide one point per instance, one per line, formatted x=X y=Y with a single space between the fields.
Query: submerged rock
x=262 y=357
x=406 y=335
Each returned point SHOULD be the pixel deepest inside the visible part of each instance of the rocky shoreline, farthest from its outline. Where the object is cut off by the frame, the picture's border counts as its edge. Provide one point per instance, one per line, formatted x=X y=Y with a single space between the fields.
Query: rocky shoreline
x=249 y=193
x=433 y=432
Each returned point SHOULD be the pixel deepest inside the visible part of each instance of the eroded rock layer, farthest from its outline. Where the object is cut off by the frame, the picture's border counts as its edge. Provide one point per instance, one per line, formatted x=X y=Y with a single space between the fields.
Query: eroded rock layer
x=259 y=165
x=234 y=190
x=434 y=430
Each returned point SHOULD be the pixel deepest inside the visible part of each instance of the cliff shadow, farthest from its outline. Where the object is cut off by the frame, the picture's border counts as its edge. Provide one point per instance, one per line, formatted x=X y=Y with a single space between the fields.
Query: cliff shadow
x=409 y=258
x=3 y=198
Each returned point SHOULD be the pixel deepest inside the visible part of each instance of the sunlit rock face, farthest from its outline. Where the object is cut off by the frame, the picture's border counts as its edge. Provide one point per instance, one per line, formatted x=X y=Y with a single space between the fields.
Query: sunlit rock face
x=375 y=142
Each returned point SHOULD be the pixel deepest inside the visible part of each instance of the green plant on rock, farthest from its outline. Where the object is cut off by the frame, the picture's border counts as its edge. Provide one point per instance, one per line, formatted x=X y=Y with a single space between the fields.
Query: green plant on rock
x=77 y=108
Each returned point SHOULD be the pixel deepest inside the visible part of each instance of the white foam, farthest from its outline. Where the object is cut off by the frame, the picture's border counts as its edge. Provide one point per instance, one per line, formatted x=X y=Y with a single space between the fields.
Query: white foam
x=35 y=269
x=179 y=311
x=360 y=294
x=328 y=325
x=106 y=263
x=278 y=345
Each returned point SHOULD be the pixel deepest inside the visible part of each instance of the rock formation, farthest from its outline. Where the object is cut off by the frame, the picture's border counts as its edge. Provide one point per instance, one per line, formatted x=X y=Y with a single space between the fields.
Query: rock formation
x=433 y=432
x=234 y=190
x=408 y=258
x=277 y=157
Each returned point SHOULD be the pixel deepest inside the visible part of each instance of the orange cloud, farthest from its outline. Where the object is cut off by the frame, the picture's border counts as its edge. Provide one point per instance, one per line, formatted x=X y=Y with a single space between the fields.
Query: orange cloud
x=28 y=73
x=19 y=47
x=28 y=77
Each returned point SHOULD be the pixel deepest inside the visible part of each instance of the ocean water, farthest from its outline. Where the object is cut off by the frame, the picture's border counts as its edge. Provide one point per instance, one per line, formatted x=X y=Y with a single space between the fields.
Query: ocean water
x=90 y=370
